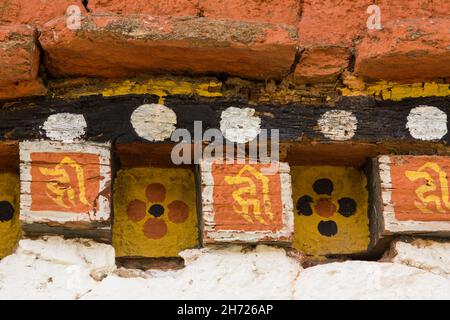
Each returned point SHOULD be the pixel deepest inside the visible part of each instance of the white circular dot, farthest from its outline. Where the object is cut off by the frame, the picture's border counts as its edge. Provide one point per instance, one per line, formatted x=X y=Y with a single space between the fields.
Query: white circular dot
x=153 y=122
x=427 y=123
x=338 y=125
x=240 y=125
x=65 y=127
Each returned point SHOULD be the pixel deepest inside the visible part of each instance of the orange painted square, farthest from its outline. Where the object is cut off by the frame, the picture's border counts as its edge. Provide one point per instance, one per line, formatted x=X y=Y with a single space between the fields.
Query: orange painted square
x=412 y=181
x=248 y=189
x=64 y=182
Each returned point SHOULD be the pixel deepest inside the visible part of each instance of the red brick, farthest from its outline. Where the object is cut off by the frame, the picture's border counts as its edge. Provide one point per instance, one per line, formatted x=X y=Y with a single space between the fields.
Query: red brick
x=407 y=50
x=331 y=24
x=19 y=54
x=34 y=12
x=20 y=89
x=173 y=8
x=268 y=11
x=272 y=11
x=115 y=46
x=322 y=64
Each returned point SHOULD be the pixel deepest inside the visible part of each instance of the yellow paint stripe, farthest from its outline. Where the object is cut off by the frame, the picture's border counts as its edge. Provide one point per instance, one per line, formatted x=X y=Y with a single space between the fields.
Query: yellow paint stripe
x=394 y=91
x=159 y=87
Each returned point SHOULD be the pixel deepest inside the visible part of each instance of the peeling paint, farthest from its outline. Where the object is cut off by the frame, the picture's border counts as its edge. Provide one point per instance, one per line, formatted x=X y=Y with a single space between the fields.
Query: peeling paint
x=154 y=122
x=161 y=87
x=65 y=127
x=427 y=123
x=394 y=91
x=338 y=125
x=240 y=125
x=64 y=182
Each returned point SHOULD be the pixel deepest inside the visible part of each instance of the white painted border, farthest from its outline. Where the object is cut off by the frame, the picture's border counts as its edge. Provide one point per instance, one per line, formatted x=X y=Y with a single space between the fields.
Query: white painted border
x=28 y=216
x=210 y=235
x=391 y=224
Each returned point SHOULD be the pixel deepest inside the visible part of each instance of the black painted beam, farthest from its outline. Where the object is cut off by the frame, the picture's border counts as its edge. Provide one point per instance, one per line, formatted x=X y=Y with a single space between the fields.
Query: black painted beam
x=108 y=118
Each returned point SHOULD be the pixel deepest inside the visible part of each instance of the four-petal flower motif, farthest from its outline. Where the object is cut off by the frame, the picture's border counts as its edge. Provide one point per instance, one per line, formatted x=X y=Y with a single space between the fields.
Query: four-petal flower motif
x=155 y=227
x=324 y=206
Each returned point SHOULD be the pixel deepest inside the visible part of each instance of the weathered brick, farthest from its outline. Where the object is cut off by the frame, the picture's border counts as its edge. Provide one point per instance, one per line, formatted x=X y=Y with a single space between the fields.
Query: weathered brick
x=19 y=62
x=174 y=8
x=114 y=46
x=322 y=64
x=25 y=88
x=272 y=11
x=407 y=50
x=19 y=54
x=35 y=12
x=329 y=24
x=269 y=11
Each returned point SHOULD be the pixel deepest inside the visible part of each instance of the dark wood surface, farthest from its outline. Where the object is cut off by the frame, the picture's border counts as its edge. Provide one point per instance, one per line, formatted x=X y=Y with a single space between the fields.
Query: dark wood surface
x=108 y=118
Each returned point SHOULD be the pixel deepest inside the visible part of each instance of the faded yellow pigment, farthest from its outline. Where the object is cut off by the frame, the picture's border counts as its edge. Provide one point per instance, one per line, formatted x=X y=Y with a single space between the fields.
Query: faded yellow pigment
x=394 y=91
x=128 y=237
x=353 y=232
x=160 y=87
x=10 y=231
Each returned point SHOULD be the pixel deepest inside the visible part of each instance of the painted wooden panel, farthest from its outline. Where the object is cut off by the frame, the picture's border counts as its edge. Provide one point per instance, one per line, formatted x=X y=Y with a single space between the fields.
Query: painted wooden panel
x=120 y=118
x=412 y=194
x=155 y=212
x=246 y=203
x=9 y=213
x=65 y=183
x=331 y=214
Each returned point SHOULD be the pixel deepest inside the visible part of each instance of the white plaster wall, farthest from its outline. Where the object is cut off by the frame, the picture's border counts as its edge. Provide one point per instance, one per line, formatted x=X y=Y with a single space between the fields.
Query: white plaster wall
x=427 y=255
x=82 y=269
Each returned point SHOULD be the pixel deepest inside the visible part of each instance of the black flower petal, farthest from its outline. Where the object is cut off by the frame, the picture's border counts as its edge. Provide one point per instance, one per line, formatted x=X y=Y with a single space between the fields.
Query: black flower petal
x=327 y=228
x=323 y=186
x=6 y=211
x=304 y=206
x=347 y=207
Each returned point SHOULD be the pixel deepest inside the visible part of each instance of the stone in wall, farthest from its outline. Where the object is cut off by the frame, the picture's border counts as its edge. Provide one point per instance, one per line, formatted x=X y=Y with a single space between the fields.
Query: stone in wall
x=155 y=213
x=19 y=62
x=426 y=254
x=246 y=203
x=411 y=195
x=9 y=213
x=368 y=280
x=331 y=215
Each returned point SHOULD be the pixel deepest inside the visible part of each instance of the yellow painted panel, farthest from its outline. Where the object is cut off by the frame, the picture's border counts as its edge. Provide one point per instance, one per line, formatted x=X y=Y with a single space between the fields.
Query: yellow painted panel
x=338 y=204
x=10 y=231
x=155 y=212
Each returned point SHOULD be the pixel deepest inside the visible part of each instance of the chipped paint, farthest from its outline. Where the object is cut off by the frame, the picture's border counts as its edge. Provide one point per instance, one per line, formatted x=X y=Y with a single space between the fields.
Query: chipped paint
x=153 y=122
x=64 y=182
x=161 y=87
x=65 y=127
x=240 y=125
x=338 y=125
x=394 y=91
x=427 y=123
x=414 y=194
x=242 y=203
